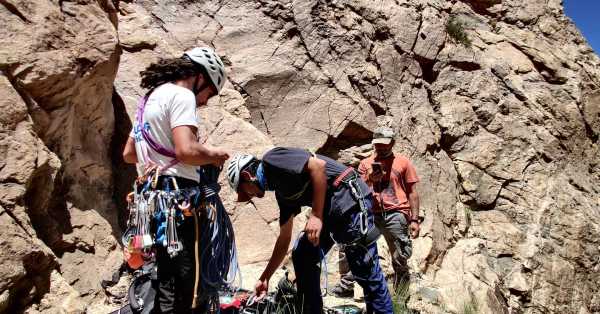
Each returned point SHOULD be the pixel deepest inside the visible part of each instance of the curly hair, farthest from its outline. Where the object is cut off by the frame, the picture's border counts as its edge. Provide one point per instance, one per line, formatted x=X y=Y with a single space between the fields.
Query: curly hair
x=170 y=70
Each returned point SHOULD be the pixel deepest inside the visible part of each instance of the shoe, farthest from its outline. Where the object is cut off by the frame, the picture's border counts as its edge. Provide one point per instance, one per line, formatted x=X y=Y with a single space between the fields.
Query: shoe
x=342 y=292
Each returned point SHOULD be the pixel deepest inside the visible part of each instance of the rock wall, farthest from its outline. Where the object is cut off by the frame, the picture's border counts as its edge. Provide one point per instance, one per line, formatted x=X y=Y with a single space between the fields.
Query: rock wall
x=58 y=62
x=497 y=102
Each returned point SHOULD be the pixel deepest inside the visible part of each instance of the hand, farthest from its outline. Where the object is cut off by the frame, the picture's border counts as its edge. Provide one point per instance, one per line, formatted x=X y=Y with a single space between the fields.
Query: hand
x=313 y=229
x=220 y=156
x=261 y=288
x=414 y=228
x=375 y=176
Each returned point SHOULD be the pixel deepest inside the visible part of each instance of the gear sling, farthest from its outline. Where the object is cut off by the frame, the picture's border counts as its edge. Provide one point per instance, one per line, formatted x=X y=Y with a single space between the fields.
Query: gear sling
x=167 y=205
x=348 y=177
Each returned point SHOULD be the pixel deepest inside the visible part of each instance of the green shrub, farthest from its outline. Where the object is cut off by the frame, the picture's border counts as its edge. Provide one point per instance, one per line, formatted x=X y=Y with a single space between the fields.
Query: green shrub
x=456 y=30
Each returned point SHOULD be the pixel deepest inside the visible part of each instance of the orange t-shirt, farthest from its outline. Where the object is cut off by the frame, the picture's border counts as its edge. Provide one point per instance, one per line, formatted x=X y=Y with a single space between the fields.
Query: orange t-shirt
x=390 y=193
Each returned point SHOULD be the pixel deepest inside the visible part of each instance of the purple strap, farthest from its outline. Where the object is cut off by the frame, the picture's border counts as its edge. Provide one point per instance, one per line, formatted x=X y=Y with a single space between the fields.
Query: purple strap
x=149 y=140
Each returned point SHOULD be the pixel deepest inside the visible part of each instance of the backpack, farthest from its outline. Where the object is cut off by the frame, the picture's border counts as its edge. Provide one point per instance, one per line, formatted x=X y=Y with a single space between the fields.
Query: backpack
x=142 y=292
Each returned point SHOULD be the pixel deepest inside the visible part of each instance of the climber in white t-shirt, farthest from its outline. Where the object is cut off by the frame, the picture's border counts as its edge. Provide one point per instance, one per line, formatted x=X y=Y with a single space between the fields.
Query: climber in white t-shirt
x=164 y=141
x=177 y=87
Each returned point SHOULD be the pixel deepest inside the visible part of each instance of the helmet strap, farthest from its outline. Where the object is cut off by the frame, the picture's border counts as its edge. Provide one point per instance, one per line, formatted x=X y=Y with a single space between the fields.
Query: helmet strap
x=204 y=85
x=195 y=88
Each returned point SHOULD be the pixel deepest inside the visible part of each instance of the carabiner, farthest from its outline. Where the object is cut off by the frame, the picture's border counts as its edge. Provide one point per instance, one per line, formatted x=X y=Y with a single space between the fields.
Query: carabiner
x=185 y=205
x=130 y=197
x=155 y=178
x=175 y=183
x=364 y=223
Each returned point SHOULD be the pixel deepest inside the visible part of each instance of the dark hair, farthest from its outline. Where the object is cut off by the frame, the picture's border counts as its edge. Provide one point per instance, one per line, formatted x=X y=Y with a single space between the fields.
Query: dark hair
x=170 y=70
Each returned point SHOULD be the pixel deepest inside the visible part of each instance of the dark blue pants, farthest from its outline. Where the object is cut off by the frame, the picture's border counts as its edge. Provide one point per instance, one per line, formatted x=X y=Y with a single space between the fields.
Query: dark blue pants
x=363 y=262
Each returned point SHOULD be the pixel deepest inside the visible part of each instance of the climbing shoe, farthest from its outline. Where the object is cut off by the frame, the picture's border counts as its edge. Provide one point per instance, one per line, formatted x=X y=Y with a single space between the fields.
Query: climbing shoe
x=342 y=292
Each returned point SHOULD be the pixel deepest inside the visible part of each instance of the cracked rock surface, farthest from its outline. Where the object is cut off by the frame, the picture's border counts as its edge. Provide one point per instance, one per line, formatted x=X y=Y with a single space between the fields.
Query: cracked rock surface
x=502 y=125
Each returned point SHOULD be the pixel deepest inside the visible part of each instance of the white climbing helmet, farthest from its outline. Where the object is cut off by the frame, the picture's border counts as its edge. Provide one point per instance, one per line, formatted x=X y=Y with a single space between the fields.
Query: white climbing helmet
x=234 y=168
x=207 y=57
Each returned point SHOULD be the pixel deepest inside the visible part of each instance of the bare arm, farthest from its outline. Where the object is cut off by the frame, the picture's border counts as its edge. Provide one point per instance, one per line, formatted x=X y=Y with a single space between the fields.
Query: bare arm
x=280 y=250
x=129 y=154
x=413 y=199
x=189 y=151
x=316 y=168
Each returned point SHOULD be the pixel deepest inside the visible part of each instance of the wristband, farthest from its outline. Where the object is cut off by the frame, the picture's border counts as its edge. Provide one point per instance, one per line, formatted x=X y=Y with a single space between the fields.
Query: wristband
x=414 y=220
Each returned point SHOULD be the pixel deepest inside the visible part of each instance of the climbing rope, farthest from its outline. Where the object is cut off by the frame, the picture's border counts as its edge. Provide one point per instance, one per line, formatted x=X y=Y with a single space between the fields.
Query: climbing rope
x=219 y=264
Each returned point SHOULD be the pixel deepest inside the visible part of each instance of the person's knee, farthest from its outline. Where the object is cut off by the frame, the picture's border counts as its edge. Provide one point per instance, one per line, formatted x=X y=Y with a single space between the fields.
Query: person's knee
x=303 y=255
x=361 y=260
x=401 y=252
x=297 y=252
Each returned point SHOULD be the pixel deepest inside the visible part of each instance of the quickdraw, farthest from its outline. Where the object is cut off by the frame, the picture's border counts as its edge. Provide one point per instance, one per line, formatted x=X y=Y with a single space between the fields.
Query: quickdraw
x=138 y=237
x=147 y=204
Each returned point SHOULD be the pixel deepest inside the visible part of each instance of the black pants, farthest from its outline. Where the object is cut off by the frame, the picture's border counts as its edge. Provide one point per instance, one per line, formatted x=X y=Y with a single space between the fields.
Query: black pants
x=177 y=275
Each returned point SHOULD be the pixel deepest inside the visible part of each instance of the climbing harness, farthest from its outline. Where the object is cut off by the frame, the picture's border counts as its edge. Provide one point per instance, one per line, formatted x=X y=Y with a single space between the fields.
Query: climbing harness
x=350 y=178
x=149 y=142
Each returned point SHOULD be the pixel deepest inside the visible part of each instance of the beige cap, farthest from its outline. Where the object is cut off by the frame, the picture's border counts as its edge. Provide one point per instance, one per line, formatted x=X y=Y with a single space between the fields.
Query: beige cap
x=383 y=135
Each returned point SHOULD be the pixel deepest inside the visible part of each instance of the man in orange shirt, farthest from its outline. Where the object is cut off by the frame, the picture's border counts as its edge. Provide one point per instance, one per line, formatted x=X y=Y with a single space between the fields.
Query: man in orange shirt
x=393 y=180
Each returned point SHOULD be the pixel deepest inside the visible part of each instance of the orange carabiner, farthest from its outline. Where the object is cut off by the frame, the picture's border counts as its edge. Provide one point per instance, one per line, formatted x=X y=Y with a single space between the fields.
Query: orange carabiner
x=129 y=198
x=185 y=209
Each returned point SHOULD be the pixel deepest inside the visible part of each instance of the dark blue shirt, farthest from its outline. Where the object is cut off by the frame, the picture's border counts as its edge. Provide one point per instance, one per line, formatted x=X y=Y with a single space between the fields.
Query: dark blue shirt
x=286 y=174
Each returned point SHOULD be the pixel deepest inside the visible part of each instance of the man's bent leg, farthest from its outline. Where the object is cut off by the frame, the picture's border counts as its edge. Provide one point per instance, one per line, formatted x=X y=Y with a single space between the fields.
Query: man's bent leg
x=307 y=260
x=364 y=264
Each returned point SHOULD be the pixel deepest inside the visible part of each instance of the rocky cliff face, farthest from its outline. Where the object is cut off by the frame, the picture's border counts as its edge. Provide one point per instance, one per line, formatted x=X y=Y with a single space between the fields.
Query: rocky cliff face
x=58 y=63
x=497 y=102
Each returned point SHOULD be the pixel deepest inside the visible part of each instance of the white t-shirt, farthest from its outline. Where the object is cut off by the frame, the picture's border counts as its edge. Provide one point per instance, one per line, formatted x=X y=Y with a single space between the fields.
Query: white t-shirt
x=168 y=106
